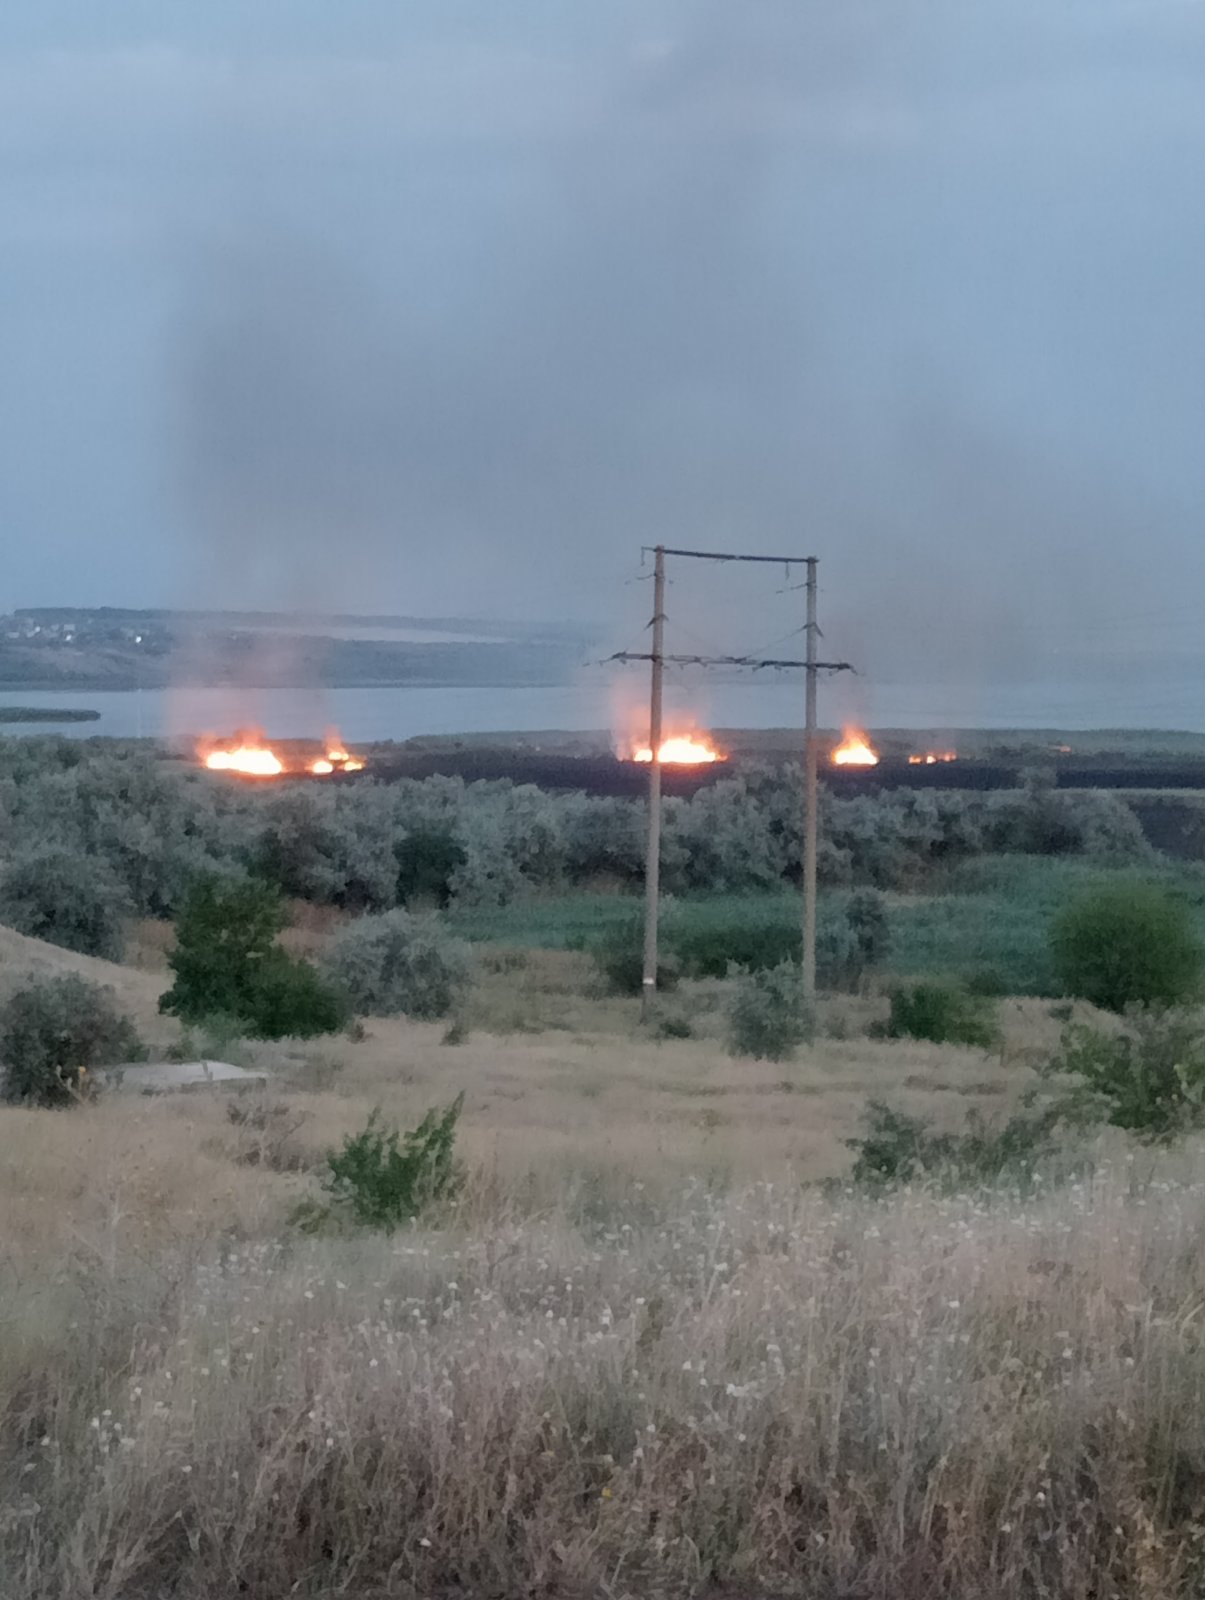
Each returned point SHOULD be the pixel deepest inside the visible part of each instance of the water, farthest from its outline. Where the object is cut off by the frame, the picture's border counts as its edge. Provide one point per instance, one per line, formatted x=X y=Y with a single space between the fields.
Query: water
x=364 y=715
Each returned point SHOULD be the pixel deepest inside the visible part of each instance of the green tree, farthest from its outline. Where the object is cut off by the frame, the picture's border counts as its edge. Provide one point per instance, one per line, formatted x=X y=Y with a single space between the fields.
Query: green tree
x=227 y=963
x=1127 y=944
x=223 y=937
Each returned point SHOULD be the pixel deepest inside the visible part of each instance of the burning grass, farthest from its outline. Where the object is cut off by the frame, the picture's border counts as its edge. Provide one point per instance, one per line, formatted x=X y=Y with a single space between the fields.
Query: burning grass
x=249 y=755
x=855 y=750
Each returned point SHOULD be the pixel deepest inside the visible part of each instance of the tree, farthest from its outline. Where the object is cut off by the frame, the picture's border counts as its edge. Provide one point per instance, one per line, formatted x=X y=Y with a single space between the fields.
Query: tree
x=223 y=937
x=1127 y=944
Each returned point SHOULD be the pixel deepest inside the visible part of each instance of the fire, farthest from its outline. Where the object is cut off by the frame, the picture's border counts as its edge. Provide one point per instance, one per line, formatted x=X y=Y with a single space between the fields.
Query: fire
x=250 y=756
x=854 y=750
x=679 y=751
x=338 y=758
x=932 y=757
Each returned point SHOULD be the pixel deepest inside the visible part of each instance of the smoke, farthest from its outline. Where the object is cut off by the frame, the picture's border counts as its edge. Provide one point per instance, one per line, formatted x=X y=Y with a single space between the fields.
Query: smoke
x=786 y=276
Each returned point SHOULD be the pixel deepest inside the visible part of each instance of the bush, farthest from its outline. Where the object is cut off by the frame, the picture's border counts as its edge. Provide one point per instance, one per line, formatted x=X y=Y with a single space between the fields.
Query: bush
x=227 y=963
x=54 y=1032
x=1149 y=1079
x=290 y=1000
x=1127 y=944
x=943 y=1013
x=396 y=963
x=850 y=937
x=428 y=859
x=706 y=948
x=619 y=956
x=897 y=1148
x=67 y=899
x=383 y=1178
x=768 y=1017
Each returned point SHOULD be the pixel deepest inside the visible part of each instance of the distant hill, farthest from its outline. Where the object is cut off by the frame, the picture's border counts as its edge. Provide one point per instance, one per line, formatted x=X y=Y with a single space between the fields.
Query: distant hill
x=61 y=647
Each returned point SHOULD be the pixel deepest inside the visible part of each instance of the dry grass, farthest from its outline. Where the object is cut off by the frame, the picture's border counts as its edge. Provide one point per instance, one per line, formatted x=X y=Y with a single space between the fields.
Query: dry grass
x=639 y=1357
x=766 y=1388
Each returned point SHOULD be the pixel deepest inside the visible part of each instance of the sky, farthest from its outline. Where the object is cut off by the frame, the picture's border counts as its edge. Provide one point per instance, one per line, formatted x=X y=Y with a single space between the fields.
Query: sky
x=449 y=307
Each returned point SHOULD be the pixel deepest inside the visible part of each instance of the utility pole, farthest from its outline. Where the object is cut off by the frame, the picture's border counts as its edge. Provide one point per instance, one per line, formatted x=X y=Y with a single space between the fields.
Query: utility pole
x=652 y=865
x=658 y=659
x=809 y=794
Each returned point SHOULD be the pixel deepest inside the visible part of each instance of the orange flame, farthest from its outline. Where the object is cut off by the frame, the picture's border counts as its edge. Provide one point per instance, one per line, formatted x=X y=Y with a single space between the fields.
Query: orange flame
x=854 y=750
x=681 y=750
x=932 y=757
x=250 y=757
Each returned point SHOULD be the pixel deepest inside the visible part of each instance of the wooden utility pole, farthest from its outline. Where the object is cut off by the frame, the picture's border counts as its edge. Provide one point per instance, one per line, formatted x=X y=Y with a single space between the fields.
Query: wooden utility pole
x=809 y=793
x=657 y=657
x=652 y=860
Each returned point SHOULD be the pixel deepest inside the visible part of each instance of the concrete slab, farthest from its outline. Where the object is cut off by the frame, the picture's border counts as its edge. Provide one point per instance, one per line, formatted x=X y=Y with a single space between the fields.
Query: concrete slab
x=165 y=1077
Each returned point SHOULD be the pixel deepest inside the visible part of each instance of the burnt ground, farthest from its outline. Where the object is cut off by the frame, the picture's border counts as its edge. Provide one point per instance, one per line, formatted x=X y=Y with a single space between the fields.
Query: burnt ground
x=606 y=775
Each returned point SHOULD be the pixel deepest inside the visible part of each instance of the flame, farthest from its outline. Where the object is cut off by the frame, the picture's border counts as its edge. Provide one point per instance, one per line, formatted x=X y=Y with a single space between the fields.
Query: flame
x=679 y=751
x=854 y=750
x=932 y=757
x=250 y=756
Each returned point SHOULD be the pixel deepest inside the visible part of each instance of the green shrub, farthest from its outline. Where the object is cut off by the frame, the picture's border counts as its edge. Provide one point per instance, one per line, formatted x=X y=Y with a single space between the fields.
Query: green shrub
x=54 y=1032
x=428 y=859
x=850 y=937
x=943 y=1013
x=897 y=1148
x=289 y=999
x=1127 y=944
x=67 y=899
x=619 y=956
x=707 y=948
x=383 y=1178
x=1148 y=1079
x=395 y=963
x=866 y=914
x=768 y=1017
x=673 y=1025
x=227 y=963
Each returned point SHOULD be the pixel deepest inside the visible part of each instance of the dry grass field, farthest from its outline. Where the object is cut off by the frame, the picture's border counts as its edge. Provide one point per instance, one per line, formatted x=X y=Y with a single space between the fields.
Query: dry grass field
x=644 y=1353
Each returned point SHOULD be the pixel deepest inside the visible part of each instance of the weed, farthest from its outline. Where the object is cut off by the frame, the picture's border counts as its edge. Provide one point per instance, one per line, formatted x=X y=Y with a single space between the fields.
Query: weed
x=382 y=1178
x=1148 y=1079
x=897 y=1148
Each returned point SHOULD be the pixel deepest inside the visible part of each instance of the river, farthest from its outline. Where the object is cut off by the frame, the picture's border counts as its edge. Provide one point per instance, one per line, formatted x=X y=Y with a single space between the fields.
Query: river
x=365 y=715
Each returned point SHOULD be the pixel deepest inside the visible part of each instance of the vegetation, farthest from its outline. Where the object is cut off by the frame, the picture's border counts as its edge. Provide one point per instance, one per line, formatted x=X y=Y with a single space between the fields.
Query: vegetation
x=396 y=964
x=76 y=903
x=897 y=1148
x=943 y=1013
x=1127 y=944
x=227 y=963
x=768 y=1017
x=53 y=1033
x=382 y=1178
x=429 y=858
x=619 y=955
x=1148 y=1078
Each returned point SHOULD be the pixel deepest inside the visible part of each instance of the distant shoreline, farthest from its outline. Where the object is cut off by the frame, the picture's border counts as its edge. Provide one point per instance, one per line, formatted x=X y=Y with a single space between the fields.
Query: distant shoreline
x=46 y=714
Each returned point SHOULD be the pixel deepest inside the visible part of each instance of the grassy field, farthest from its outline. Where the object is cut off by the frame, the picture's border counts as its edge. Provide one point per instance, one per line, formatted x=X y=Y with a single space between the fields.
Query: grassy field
x=656 y=1347
x=987 y=916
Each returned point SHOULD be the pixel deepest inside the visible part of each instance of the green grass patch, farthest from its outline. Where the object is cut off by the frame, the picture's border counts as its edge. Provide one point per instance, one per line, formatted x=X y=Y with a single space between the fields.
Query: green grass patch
x=986 y=921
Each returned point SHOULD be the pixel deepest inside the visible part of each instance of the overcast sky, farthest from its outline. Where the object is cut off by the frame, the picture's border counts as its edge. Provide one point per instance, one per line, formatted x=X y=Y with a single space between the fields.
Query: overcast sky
x=448 y=307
